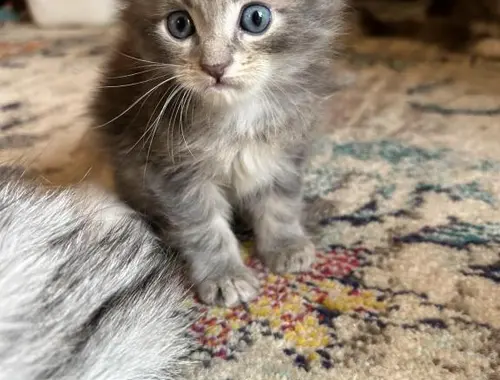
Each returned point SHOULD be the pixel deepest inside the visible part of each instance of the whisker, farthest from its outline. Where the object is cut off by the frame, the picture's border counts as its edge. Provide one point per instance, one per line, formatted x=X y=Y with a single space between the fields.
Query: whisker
x=137 y=101
x=161 y=64
x=149 y=69
x=149 y=126
x=140 y=109
x=268 y=108
x=171 y=130
x=295 y=106
x=189 y=96
x=272 y=109
x=135 y=83
x=157 y=123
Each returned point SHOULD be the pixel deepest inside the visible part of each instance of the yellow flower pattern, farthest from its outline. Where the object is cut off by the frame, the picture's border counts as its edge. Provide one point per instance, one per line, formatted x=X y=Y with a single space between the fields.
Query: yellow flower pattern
x=298 y=309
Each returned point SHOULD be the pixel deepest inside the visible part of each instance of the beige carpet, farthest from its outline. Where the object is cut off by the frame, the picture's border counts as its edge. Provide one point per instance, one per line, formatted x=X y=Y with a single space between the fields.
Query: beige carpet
x=403 y=196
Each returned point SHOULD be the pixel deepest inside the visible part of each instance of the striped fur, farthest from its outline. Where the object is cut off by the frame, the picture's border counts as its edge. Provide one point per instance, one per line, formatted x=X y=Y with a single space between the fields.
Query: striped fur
x=85 y=291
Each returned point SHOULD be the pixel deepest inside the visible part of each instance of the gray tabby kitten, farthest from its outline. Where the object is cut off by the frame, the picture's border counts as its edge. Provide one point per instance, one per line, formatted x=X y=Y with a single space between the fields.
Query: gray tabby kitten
x=206 y=108
x=85 y=291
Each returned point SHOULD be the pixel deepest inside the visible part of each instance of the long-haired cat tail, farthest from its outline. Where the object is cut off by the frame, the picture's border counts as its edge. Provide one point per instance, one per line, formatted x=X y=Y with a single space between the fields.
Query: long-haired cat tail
x=85 y=290
x=206 y=108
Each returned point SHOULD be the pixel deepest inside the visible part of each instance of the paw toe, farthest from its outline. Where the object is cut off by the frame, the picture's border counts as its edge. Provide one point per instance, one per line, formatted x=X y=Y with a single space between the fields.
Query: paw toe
x=292 y=260
x=231 y=289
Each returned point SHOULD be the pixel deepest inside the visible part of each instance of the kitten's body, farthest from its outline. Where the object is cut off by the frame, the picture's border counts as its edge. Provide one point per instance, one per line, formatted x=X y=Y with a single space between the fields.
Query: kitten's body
x=85 y=291
x=188 y=153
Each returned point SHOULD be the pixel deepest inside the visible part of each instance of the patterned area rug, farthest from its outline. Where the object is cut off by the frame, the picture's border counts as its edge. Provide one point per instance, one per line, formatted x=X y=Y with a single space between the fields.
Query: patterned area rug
x=403 y=196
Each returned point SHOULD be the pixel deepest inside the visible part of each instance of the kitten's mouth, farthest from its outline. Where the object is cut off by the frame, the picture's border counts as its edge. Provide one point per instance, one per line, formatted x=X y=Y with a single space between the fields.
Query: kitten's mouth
x=222 y=84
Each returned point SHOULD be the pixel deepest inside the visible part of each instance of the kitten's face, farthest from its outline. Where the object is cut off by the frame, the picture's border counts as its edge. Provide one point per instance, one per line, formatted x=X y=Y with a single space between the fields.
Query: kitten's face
x=225 y=50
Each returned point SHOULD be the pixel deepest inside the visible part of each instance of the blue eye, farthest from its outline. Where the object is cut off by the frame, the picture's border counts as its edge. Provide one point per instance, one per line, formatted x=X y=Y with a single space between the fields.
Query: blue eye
x=255 y=18
x=180 y=25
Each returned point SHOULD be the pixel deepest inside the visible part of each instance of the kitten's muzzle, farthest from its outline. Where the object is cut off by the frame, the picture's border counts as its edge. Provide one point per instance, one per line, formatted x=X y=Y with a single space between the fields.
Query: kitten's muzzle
x=216 y=71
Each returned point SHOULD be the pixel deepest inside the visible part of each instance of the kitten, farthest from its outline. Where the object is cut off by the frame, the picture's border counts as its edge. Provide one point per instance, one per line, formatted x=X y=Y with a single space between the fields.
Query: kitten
x=85 y=291
x=206 y=108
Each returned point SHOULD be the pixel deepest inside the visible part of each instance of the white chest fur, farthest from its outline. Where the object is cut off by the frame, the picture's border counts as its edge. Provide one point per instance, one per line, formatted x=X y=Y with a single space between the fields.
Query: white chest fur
x=254 y=166
x=250 y=166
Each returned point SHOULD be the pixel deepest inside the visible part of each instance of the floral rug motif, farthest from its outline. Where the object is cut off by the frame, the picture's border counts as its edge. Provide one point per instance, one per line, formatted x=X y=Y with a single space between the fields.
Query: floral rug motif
x=402 y=199
x=297 y=309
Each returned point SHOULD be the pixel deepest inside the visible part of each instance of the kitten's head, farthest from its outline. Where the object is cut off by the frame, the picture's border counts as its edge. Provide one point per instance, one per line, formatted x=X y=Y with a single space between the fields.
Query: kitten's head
x=225 y=50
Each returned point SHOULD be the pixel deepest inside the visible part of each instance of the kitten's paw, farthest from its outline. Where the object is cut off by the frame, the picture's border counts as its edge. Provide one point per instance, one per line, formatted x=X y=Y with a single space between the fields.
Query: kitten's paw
x=292 y=258
x=235 y=286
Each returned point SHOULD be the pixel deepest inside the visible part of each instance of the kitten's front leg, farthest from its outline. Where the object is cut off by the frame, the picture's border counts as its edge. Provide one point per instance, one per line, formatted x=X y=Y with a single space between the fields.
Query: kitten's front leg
x=204 y=236
x=281 y=239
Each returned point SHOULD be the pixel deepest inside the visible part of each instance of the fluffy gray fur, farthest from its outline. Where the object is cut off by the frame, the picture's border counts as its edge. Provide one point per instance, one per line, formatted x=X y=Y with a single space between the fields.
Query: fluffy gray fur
x=189 y=150
x=85 y=291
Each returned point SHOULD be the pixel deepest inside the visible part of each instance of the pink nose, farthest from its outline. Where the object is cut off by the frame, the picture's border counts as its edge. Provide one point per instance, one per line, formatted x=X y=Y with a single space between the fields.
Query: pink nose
x=217 y=71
